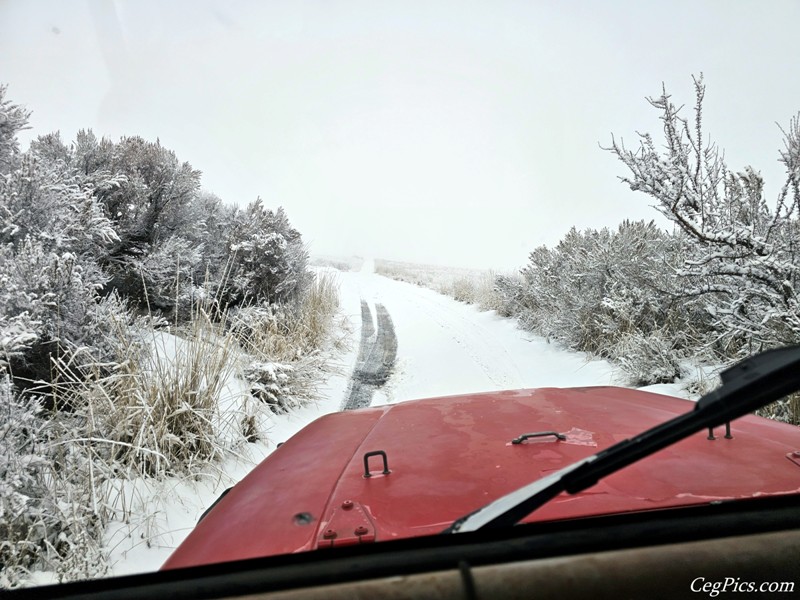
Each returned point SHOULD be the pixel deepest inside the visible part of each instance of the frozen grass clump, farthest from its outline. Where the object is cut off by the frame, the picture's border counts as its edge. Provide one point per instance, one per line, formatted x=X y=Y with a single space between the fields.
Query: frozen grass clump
x=286 y=344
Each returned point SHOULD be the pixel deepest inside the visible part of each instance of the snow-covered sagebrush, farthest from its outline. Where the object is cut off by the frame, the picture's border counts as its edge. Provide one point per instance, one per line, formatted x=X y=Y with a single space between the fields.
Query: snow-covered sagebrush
x=13 y=119
x=722 y=284
x=50 y=311
x=102 y=243
x=606 y=292
x=268 y=259
x=741 y=257
x=48 y=512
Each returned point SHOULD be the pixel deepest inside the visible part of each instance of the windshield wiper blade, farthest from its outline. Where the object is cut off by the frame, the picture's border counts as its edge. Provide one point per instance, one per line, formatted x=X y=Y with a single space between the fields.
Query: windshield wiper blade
x=746 y=386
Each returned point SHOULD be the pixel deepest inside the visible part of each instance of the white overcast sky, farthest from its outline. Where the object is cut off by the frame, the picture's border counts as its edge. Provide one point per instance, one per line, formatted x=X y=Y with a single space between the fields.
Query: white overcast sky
x=462 y=133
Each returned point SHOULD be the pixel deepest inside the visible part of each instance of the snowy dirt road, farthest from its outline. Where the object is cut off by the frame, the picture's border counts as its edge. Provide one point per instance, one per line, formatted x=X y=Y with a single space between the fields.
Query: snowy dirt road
x=445 y=347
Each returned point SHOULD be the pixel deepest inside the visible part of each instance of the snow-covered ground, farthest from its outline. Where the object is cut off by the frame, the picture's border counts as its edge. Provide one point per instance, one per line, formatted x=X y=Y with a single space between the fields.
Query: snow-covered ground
x=444 y=348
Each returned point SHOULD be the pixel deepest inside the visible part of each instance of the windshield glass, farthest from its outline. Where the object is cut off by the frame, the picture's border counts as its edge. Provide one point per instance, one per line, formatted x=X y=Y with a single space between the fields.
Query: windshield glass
x=222 y=221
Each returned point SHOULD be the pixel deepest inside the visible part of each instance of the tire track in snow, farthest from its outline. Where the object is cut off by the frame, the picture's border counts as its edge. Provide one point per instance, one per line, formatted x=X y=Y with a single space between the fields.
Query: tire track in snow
x=376 y=357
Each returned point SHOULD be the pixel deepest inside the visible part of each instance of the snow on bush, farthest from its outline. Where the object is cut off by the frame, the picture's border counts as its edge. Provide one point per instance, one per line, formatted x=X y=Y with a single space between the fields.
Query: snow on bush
x=720 y=286
x=647 y=359
x=741 y=257
x=17 y=333
x=166 y=276
x=13 y=119
x=101 y=245
x=20 y=484
x=49 y=307
x=47 y=515
x=157 y=411
x=268 y=260
x=271 y=383
x=607 y=292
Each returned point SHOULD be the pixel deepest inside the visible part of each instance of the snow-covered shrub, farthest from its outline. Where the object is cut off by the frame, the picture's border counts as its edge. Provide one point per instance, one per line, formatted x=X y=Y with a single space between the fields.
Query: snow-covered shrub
x=485 y=291
x=154 y=189
x=145 y=191
x=741 y=257
x=157 y=412
x=21 y=455
x=138 y=212
x=47 y=515
x=272 y=384
x=647 y=358
x=205 y=222
x=124 y=204
x=461 y=289
x=17 y=333
x=595 y=286
x=90 y=395
x=50 y=303
x=268 y=263
x=191 y=267
x=39 y=202
x=166 y=277
x=607 y=291
x=13 y=119
x=510 y=296
x=52 y=232
x=285 y=333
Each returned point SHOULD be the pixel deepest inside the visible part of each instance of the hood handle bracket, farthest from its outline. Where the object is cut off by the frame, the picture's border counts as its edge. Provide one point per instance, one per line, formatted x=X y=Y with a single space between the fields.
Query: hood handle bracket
x=525 y=436
x=380 y=453
x=728 y=435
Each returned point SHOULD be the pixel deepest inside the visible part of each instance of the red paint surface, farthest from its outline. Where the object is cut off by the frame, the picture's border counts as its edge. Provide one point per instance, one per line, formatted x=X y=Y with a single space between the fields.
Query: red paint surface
x=450 y=456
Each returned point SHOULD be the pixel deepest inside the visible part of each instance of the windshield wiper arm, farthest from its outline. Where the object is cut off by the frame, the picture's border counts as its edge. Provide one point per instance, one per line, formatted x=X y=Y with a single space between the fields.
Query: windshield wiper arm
x=746 y=386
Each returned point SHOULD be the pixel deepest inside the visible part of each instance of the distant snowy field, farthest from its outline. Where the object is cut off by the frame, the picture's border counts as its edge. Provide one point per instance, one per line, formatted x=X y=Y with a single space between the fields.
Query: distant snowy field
x=444 y=348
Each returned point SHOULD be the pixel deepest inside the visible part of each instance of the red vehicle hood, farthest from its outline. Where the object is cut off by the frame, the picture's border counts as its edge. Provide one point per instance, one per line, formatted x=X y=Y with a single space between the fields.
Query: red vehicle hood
x=450 y=456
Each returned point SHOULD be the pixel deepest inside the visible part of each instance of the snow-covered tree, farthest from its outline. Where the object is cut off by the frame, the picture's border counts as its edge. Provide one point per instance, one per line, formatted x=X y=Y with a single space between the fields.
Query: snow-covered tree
x=50 y=311
x=13 y=119
x=741 y=258
x=87 y=229
x=268 y=259
x=144 y=190
x=38 y=200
